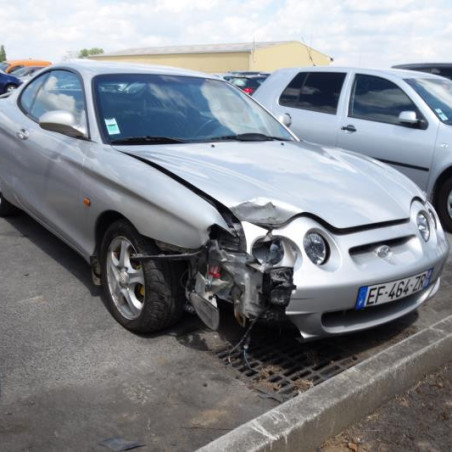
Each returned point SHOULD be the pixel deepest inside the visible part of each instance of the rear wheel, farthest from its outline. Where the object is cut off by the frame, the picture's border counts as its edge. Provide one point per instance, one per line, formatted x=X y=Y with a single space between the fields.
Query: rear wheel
x=143 y=296
x=444 y=204
x=6 y=208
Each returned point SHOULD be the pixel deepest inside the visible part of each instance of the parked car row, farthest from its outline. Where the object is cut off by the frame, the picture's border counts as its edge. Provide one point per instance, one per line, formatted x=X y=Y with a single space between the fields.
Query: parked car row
x=14 y=65
x=178 y=188
x=247 y=81
x=14 y=73
x=403 y=118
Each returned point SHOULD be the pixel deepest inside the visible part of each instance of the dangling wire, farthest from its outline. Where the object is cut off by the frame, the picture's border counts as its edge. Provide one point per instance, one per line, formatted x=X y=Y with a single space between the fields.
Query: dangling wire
x=246 y=346
x=245 y=341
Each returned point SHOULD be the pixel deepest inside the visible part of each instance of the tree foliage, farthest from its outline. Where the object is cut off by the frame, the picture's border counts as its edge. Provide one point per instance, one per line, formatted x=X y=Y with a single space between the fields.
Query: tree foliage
x=85 y=53
x=2 y=53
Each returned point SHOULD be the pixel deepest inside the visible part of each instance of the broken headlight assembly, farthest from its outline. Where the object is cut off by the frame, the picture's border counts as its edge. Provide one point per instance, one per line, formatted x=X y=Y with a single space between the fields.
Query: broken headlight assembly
x=269 y=251
x=316 y=248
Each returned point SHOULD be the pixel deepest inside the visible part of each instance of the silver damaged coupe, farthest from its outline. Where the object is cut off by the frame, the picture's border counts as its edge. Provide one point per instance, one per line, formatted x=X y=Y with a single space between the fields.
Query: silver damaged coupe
x=181 y=191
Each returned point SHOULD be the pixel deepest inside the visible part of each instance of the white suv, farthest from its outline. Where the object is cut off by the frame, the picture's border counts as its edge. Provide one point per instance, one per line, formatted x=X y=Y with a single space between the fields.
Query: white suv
x=403 y=118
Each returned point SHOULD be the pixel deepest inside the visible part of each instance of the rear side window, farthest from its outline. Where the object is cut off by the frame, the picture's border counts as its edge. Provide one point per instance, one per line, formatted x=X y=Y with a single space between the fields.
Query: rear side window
x=377 y=99
x=316 y=91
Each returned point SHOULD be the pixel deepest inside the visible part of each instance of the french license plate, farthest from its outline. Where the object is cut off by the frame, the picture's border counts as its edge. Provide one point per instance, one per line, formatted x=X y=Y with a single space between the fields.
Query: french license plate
x=392 y=291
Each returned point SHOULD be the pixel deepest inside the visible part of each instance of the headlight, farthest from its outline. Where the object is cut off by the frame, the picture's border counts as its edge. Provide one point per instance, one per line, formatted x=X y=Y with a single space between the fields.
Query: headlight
x=316 y=248
x=423 y=225
x=269 y=251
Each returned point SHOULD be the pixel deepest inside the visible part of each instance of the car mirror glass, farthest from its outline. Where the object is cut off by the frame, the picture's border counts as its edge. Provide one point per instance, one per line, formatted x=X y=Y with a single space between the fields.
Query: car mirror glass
x=63 y=122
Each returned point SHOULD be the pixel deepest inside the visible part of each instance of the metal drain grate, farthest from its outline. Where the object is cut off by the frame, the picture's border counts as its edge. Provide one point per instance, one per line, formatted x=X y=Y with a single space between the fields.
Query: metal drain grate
x=282 y=367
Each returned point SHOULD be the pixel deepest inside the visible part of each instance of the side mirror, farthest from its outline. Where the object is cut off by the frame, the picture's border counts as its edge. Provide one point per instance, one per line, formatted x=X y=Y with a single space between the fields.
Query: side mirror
x=285 y=119
x=409 y=118
x=62 y=122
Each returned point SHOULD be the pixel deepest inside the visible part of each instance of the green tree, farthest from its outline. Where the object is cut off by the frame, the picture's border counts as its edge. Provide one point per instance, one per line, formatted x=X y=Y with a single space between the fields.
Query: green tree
x=2 y=53
x=85 y=53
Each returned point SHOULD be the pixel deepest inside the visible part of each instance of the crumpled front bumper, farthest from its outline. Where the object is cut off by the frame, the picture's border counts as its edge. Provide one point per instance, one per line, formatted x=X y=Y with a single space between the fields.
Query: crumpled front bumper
x=324 y=302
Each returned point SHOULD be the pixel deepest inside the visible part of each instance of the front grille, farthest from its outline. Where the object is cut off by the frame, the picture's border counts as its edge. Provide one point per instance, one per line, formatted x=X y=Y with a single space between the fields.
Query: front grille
x=370 y=247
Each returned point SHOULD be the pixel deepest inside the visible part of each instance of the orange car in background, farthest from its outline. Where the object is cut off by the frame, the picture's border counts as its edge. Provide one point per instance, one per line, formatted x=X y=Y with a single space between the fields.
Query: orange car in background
x=13 y=65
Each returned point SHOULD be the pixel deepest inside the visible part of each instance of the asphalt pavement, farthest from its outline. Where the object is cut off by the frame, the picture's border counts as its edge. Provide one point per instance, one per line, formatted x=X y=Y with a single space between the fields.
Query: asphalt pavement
x=71 y=378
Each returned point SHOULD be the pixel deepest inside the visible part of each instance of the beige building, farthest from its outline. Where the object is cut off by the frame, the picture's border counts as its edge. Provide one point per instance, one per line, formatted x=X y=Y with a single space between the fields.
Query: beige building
x=217 y=58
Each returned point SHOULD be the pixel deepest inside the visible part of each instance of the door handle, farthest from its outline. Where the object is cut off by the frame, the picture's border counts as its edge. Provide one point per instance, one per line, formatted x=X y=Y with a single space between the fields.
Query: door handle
x=23 y=134
x=350 y=128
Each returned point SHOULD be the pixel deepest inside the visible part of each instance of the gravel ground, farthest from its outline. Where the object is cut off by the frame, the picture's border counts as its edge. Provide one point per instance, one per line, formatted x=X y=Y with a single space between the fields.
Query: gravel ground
x=419 y=420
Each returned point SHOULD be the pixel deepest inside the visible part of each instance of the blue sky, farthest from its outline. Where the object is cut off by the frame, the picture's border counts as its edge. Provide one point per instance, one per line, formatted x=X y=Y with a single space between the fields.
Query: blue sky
x=368 y=33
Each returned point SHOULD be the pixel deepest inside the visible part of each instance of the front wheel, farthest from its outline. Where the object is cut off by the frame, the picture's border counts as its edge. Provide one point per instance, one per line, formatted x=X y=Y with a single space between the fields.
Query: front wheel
x=444 y=204
x=142 y=296
x=9 y=88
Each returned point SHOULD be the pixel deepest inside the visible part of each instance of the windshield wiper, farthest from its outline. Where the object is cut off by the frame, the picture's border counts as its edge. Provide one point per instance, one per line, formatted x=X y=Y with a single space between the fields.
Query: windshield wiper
x=147 y=140
x=248 y=137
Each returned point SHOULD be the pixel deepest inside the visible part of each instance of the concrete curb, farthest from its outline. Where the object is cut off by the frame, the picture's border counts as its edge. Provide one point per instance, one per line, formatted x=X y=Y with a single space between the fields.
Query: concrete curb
x=304 y=422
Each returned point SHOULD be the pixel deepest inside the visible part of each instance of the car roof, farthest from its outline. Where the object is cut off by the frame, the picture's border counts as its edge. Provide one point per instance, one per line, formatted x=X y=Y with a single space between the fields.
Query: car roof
x=401 y=73
x=422 y=65
x=91 y=68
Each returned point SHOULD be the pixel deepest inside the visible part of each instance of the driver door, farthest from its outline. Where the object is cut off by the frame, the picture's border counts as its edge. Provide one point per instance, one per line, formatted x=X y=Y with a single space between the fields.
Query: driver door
x=49 y=165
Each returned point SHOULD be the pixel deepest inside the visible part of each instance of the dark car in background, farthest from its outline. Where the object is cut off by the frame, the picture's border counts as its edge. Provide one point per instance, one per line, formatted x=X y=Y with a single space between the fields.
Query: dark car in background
x=248 y=82
x=442 y=69
x=8 y=82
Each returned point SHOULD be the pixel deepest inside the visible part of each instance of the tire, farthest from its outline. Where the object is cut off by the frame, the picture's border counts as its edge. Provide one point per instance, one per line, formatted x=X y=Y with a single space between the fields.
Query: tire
x=6 y=208
x=146 y=297
x=444 y=204
x=9 y=88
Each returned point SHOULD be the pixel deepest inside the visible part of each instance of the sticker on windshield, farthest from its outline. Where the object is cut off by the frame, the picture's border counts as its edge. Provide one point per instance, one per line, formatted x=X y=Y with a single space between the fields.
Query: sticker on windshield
x=441 y=115
x=112 y=126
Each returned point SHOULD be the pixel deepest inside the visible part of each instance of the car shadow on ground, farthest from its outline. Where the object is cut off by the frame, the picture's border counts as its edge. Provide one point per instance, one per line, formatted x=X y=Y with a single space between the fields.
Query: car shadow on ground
x=277 y=363
x=55 y=248
x=270 y=347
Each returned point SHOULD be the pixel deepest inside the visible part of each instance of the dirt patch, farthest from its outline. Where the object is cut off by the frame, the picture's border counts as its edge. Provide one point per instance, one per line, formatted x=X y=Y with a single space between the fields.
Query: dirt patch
x=419 y=420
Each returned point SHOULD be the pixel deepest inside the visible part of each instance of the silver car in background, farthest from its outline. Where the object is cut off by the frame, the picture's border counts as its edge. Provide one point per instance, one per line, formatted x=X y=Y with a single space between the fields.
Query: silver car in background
x=402 y=118
x=181 y=191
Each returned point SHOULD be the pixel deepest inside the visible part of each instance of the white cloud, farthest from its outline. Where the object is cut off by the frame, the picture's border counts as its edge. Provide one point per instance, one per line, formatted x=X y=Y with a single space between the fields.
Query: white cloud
x=358 y=32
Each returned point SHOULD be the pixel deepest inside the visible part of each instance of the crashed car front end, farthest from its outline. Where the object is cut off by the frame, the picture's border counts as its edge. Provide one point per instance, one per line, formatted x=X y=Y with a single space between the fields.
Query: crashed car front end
x=325 y=281
x=300 y=232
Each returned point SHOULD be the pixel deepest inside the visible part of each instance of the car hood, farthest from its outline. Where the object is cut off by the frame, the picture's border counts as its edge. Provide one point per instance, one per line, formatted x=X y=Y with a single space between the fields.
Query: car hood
x=267 y=183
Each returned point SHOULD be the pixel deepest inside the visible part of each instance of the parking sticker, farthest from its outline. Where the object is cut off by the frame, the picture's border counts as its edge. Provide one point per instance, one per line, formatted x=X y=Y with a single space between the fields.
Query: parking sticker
x=112 y=126
x=441 y=115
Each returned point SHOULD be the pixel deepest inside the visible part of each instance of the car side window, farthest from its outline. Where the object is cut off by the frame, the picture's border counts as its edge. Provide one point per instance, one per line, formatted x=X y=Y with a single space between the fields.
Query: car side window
x=377 y=99
x=61 y=90
x=316 y=91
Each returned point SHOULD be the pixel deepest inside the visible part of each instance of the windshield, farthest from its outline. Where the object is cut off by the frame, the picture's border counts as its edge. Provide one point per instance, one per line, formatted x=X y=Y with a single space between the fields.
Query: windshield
x=184 y=109
x=3 y=65
x=437 y=94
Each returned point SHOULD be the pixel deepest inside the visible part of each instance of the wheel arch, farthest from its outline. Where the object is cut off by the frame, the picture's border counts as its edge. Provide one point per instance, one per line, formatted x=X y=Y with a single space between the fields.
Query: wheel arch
x=446 y=174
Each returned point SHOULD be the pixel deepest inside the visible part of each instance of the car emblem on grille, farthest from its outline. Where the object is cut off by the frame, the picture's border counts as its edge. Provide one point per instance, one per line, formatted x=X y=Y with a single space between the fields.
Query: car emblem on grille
x=383 y=251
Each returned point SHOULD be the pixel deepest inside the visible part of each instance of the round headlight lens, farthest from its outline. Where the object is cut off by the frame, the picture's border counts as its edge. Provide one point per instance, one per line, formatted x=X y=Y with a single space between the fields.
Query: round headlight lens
x=423 y=226
x=269 y=251
x=316 y=248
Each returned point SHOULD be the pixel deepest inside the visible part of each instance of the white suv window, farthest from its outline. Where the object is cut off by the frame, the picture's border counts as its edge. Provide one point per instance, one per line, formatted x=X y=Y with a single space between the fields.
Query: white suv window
x=317 y=91
x=377 y=99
